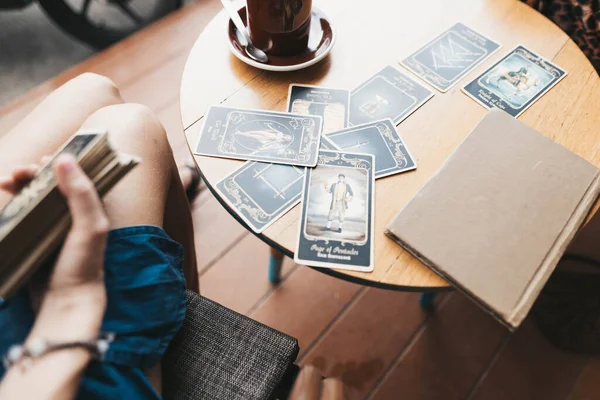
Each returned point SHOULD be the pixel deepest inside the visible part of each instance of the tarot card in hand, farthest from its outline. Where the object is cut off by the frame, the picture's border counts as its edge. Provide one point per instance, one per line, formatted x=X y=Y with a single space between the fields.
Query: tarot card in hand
x=387 y=94
x=255 y=135
x=380 y=139
x=515 y=82
x=450 y=56
x=260 y=193
x=330 y=104
x=336 y=224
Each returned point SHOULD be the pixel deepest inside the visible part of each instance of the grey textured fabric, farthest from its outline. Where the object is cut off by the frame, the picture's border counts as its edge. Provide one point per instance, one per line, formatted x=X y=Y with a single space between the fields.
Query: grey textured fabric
x=220 y=354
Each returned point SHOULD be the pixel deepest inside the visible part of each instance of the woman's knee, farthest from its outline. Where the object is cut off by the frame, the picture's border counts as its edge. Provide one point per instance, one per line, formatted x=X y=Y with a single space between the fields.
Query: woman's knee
x=91 y=86
x=132 y=127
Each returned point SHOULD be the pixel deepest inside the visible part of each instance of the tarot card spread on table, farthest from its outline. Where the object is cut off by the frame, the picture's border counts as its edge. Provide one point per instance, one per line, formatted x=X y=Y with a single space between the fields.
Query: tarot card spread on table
x=260 y=193
x=260 y=136
x=380 y=139
x=336 y=225
x=515 y=82
x=387 y=94
x=330 y=104
x=450 y=56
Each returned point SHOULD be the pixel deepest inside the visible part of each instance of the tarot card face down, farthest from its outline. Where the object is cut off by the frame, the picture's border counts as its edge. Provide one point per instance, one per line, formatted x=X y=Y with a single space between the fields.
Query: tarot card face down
x=336 y=225
x=387 y=94
x=515 y=82
x=330 y=104
x=260 y=193
x=450 y=56
x=380 y=139
x=260 y=136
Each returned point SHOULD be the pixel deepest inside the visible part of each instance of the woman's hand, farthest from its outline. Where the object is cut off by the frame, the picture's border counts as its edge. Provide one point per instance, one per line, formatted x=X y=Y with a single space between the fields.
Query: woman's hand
x=74 y=301
x=75 y=296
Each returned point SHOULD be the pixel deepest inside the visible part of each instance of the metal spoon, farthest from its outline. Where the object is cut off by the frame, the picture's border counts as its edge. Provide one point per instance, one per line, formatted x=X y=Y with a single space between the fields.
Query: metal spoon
x=252 y=51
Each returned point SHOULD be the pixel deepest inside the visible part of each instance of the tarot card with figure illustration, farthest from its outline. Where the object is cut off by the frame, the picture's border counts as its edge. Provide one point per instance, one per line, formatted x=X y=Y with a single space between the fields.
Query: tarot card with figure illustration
x=387 y=94
x=450 y=56
x=260 y=193
x=380 y=139
x=515 y=82
x=336 y=223
x=256 y=135
x=330 y=104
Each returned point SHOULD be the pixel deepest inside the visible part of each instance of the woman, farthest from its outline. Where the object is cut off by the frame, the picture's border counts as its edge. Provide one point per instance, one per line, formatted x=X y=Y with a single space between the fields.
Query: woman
x=121 y=269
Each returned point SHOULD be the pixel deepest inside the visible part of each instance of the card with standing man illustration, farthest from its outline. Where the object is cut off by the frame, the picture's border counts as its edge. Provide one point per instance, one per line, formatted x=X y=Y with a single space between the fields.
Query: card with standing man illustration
x=336 y=225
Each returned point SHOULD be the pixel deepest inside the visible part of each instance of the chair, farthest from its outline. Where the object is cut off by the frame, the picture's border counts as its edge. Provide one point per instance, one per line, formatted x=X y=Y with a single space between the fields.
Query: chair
x=220 y=354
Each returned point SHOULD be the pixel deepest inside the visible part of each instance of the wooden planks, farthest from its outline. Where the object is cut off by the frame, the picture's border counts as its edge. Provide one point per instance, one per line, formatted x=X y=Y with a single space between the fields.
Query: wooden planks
x=530 y=368
x=239 y=279
x=448 y=357
x=366 y=338
x=305 y=304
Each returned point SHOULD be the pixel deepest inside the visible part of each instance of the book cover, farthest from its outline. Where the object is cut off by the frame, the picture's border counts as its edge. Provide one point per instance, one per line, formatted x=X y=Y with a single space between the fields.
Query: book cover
x=498 y=215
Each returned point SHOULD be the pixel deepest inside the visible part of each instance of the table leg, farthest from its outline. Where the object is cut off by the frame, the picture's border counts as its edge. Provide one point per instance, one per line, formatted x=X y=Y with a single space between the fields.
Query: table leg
x=275 y=261
x=426 y=300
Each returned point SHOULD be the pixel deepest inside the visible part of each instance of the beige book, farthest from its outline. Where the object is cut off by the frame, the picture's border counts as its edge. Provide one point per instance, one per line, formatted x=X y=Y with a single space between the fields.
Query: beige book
x=498 y=215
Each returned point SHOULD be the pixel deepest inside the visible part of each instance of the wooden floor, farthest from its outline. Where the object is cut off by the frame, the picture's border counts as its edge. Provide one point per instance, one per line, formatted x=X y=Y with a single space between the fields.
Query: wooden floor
x=380 y=342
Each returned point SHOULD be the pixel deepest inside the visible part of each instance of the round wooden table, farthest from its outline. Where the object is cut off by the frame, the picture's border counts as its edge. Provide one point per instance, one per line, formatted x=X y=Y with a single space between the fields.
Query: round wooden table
x=378 y=33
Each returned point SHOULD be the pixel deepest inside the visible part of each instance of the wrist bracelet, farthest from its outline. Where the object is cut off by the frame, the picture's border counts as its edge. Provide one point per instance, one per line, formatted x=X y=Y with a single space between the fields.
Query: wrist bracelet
x=37 y=347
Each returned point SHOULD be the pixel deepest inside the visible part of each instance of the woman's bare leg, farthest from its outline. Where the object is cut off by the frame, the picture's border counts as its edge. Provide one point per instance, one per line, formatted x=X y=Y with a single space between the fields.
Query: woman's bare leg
x=54 y=120
x=152 y=194
x=62 y=113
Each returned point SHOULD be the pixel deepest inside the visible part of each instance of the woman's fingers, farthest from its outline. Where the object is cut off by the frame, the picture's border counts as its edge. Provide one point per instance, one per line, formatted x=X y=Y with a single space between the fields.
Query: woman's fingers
x=24 y=174
x=81 y=258
x=21 y=176
x=86 y=209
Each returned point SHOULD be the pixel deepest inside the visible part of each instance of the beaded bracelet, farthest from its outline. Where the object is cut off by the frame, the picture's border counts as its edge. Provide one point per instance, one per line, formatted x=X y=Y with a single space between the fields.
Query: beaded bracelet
x=36 y=348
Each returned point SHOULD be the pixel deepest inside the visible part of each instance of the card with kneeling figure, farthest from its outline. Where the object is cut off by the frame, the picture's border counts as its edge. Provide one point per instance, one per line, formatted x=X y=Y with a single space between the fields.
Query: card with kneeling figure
x=256 y=135
x=330 y=104
x=387 y=94
x=336 y=223
x=379 y=138
x=260 y=193
x=515 y=82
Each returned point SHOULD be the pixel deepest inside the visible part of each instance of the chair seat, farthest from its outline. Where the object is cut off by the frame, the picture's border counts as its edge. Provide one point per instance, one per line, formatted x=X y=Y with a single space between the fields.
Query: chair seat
x=220 y=354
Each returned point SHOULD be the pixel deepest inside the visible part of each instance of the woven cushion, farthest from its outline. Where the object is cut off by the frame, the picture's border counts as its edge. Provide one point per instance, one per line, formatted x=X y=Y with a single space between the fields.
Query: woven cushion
x=220 y=354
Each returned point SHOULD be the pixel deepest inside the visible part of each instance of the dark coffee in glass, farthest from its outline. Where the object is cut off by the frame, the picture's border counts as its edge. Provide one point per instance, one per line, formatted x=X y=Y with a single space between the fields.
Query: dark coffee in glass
x=279 y=27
